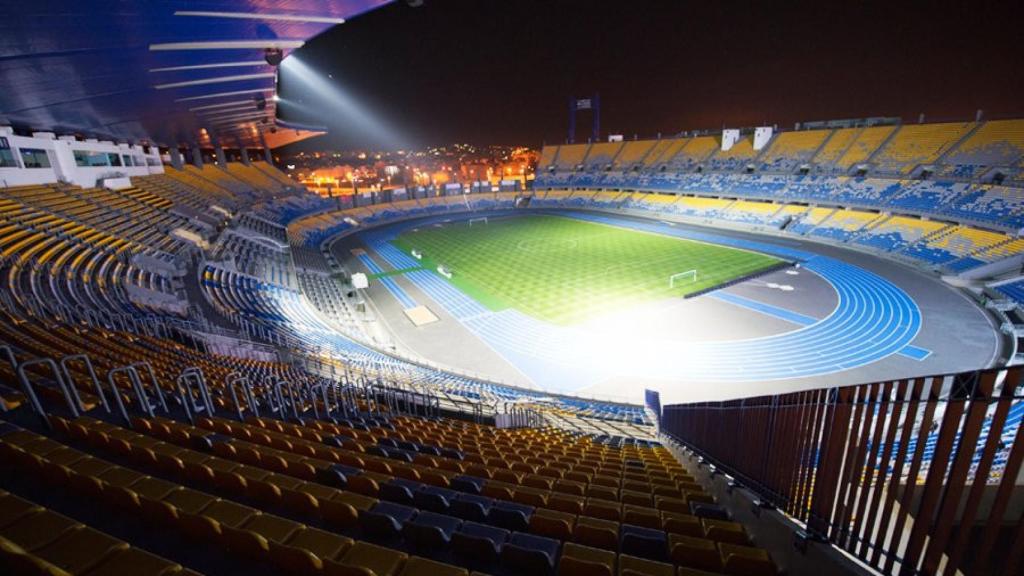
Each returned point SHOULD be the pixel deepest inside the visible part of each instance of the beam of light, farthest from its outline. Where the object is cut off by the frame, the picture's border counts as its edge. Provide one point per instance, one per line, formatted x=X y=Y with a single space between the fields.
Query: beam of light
x=228 y=45
x=223 y=94
x=211 y=66
x=334 y=102
x=236 y=103
x=263 y=16
x=217 y=80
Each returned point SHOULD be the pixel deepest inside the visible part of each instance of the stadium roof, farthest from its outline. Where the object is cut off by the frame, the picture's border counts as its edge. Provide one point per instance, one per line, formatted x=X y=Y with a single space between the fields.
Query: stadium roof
x=162 y=72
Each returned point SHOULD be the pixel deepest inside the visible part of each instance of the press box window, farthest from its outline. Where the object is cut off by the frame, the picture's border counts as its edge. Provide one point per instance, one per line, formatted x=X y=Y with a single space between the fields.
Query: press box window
x=7 y=155
x=86 y=159
x=34 y=158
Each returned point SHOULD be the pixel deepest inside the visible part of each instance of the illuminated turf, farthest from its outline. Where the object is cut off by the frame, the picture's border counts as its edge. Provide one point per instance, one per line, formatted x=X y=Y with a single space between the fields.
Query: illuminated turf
x=564 y=270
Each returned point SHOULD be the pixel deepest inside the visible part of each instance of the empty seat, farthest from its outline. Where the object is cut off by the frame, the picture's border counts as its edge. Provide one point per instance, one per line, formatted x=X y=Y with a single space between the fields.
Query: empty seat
x=694 y=552
x=416 y=566
x=471 y=507
x=633 y=566
x=479 y=542
x=386 y=519
x=553 y=524
x=431 y=531
x=596 y=532
x=530 y=554
x=746 y=561
x=580 y=560
x=434 y=499
x=509 y=515
x=643 y=542
x=363 y=555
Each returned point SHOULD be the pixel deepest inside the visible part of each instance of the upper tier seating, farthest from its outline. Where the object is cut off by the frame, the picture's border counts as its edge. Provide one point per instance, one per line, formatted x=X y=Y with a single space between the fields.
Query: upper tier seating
x=632 y=154
x=864 y=144
x=735 y=158
x=995 y=143
x=789 y=150
x=918 y=144
x=601 y=154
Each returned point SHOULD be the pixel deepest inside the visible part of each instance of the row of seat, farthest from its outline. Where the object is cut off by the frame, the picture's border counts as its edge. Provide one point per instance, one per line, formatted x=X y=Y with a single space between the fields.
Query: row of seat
x=533 y=546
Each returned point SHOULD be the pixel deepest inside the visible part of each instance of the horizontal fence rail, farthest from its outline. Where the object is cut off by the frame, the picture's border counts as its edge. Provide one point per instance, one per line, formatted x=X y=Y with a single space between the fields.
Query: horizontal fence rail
x=918 y=476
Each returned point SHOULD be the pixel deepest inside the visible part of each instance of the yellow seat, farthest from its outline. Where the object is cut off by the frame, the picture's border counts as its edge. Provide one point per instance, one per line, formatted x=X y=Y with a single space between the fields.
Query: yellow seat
x=133 y=562
x=416 y=566
x=80 y=549
x=38 y=529
x=604 y=509
x=253 y=538
x=694 y=552
x=306 y=550
x=725 y=531
x=685 y=524
x=13 y=508
x=580 y=560
x=746 y=561
x=633 y=566
x=596 y=533
x=552 y=523
x=364 y=556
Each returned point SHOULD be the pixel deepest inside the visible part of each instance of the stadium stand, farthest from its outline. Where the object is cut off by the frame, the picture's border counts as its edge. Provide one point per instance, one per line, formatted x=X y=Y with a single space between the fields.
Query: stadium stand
x=914 y=145
x=351 y=457
x=632 y=155
x=832 y=150
x=790 y=150
x=601 y=155
x=735 y=158
x=690 y=153
x=997 y=143
x=864 y=145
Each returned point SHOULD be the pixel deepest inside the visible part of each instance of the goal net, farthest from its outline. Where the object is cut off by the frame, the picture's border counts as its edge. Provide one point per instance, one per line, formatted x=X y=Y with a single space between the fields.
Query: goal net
x=688 y=277
x=478 y=221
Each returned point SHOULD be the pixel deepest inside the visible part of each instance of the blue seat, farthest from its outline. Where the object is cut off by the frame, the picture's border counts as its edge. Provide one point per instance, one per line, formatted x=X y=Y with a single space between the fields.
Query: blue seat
x=510 y=515
x=386 y=519
x=399 y=490
x=643 y=542
x=434 y=498
x=336 y=475
x=401 y=454
x=471 y=507
x=405 y=445
x=388 y=442
x=531 y=554
x=428 y=450
x=450 y=453
x=430 y=531
x=479 y=542
x=377 y=451
x=468 y=484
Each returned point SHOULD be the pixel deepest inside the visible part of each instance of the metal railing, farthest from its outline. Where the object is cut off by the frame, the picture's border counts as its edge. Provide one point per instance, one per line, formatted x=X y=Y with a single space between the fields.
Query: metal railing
x=910 y=476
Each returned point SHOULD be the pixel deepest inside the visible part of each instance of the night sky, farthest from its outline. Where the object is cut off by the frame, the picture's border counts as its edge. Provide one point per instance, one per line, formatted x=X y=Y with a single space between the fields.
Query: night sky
x=501 y=72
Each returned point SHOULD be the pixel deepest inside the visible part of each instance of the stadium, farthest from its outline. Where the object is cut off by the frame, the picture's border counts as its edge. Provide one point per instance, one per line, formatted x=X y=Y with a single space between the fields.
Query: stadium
x=758 y=349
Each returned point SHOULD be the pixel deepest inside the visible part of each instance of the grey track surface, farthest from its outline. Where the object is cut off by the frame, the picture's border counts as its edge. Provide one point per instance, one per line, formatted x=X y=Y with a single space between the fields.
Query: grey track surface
x=960 y=334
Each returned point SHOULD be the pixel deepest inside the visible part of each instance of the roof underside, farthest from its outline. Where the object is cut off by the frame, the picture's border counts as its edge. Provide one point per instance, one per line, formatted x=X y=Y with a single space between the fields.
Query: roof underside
x=166 y=72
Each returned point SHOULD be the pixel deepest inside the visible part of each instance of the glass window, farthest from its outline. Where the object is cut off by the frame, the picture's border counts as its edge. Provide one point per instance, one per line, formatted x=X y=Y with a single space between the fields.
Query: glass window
x=138 y=161
x=7 y=155
x=115 y=159
x=87 y=159
x=34 y=158
x=152 y=162
x=126 y=160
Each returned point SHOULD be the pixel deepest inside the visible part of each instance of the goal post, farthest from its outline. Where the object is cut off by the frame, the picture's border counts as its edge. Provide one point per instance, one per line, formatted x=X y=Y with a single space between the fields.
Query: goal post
x=480 y=220
x=690 y=276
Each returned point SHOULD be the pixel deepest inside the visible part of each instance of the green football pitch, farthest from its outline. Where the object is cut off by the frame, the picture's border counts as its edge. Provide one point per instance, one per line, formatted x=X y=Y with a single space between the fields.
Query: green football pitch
x=564 y=270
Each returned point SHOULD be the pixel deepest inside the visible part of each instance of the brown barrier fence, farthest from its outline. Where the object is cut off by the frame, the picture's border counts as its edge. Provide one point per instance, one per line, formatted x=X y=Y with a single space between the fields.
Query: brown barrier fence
x=917 y=476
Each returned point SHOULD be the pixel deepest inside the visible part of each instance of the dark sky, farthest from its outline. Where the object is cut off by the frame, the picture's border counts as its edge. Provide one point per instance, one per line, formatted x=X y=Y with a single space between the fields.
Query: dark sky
x=501 y=71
